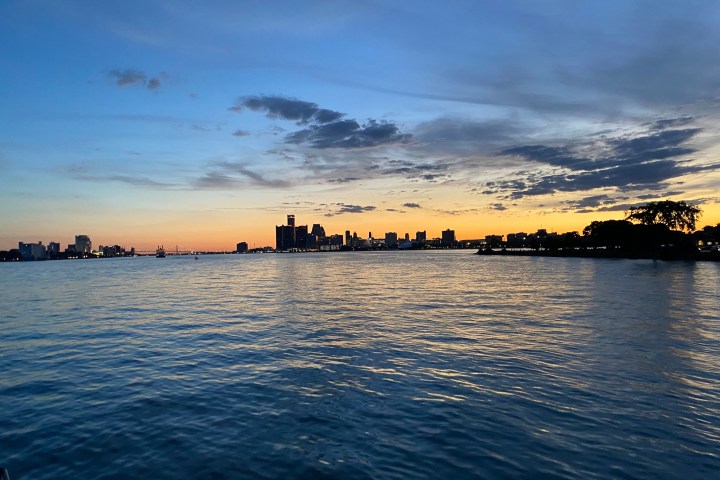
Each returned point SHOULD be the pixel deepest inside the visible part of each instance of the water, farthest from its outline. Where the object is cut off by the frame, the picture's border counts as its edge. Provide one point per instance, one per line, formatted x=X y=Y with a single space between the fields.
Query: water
x=394 y=365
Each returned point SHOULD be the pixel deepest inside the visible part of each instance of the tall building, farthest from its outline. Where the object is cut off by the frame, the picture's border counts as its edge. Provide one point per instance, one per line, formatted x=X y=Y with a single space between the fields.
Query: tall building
x=421 y=237
x=289 y=237
x=284 y=237
x=83 y=245
x=348 y=238
x=448 y=237
x=391 y=240
x=242 y=247
x=301 y=237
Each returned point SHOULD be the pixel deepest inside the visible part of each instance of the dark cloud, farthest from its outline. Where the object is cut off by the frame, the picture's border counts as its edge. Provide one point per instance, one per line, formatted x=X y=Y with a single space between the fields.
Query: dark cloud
x=240 y=133
x=411 y=205
x=348 y=208
x=644 y=161
x=288 y=109
x=324 y=128
x=498 y=206
x=349 y=134
x=135 y=78
x=344 y=180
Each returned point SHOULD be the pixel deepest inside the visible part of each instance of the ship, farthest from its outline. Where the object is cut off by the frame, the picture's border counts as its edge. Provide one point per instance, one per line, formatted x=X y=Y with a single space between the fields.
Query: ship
x=160 y=252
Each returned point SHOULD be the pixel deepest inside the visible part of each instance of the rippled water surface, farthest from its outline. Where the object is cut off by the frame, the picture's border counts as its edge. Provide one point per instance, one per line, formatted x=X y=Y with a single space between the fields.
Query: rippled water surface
x=391 y=365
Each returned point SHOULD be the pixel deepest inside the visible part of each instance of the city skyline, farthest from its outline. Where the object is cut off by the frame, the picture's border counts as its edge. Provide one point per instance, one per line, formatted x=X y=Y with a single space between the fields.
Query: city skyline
x=154 y=123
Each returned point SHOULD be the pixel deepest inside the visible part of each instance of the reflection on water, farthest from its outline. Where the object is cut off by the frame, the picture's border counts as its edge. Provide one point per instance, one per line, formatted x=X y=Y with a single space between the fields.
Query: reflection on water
x=436 y=364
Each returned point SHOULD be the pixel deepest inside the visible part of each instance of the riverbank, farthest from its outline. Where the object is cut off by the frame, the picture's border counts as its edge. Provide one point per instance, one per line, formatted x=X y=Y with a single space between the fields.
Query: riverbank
x=659 y=254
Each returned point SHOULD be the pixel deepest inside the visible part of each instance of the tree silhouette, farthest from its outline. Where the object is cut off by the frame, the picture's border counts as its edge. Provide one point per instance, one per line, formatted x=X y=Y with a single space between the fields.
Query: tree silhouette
x=674 y=215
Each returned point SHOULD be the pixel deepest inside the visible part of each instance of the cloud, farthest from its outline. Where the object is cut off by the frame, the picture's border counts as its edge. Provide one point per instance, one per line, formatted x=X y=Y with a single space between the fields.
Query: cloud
x=241 y=133
x=323 y=128
x=349 y=134
x=411 y=205
x=287 y=109
x=348 y=208
x=137 y=181
x=229 y=175
x=646 y=161
x=135 y=78
x=466 y=136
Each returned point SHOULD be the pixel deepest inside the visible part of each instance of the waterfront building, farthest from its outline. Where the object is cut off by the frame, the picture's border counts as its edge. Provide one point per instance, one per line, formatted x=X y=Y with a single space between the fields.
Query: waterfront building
x=348 y=238
x=493 y=241
x=448 y=237
x=53 y=249
x=83 y=245
x=421 y=237
x=32 y=251
x=284 y=237
x=241 y=247
x=391 y=240
x=291 y=237
x=335 y=240
x=301 y=237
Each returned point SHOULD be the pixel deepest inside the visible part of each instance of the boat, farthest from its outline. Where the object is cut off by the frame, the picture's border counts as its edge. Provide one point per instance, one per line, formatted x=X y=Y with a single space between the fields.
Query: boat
x=196 y=257
x=160 y=252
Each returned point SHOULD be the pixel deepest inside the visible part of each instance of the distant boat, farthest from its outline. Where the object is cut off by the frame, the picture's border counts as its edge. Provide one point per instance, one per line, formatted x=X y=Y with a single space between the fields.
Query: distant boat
x=160 y=252
x=196 y=257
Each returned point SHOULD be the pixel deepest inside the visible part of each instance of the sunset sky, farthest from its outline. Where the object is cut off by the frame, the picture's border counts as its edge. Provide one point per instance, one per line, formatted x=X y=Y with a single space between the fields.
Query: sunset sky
x=203 y=124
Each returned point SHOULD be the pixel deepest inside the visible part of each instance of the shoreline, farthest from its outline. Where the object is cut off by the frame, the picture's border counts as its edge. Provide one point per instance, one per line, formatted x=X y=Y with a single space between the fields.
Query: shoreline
x=713 y=256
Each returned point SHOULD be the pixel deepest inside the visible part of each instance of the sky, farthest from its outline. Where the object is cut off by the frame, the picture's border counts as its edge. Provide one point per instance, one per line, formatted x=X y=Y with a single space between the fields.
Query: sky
x=203 y=124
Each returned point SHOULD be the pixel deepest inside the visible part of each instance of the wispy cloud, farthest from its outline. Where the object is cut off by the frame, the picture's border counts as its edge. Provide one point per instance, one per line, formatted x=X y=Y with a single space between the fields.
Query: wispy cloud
x=136 y=78
x=230 y=175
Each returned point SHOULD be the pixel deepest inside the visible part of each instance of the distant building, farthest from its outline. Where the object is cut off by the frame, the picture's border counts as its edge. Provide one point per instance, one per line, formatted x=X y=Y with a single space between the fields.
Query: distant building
x=391 y=240
x=407 y=237
x=421 y=237
x=348 y=238
x=335 y=240
x=301 y=237
x=32 y=251
x=241 y=247
x=53 y=249
x=493 y=241
x=284 y=237
x=448 y=237
x=318 y=230
x=83 y=245
x=291 y=237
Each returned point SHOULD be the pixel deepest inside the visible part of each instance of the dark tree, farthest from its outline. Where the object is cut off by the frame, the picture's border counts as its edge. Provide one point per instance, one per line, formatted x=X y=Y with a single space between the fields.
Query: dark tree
x=609 y=233
x=674 y=215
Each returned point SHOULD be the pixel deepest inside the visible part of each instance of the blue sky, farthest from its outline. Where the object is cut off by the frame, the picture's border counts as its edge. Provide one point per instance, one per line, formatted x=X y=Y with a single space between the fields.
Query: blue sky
x=204 y=123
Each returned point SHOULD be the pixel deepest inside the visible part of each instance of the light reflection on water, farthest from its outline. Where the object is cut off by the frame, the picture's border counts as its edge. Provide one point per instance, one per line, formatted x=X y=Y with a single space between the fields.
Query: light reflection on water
x=432 y=364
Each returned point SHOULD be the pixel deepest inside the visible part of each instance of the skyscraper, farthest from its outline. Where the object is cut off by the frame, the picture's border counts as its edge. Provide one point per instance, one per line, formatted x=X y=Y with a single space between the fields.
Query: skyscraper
x=83 y=245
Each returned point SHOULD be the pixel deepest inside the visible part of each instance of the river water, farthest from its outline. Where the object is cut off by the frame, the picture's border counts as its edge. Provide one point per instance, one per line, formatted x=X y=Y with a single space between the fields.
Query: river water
x=387 y=365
